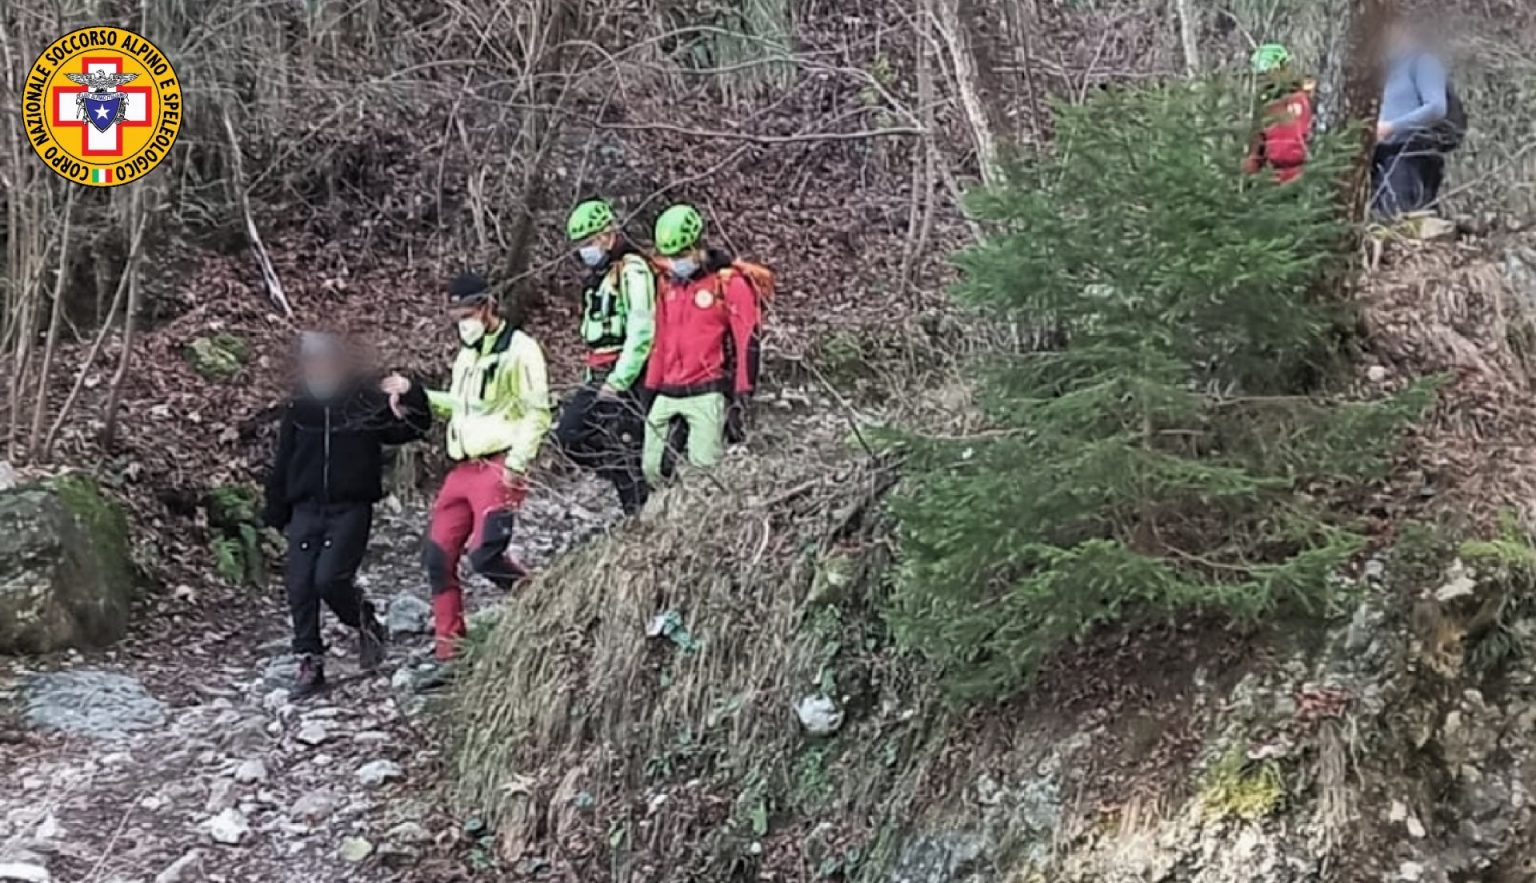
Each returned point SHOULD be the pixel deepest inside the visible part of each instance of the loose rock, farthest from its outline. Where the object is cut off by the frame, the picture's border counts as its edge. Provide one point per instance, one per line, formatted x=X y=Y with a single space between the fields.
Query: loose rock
x=314 y=733
x=409 y=615
x=314 y=806
x=355 y=849
x=819 y=715
x=408 y=833
x=25 y=873
x=228 y=827
x=178 y=870
x=378 y=772
x=250 y=772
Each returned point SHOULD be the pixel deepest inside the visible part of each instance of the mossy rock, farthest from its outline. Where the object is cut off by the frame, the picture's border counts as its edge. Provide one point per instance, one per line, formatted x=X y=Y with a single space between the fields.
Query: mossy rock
x=66 y=575
x=219 y=357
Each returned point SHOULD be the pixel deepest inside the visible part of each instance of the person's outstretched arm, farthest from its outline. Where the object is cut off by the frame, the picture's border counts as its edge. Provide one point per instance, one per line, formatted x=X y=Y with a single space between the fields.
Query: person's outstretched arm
x=414 y=421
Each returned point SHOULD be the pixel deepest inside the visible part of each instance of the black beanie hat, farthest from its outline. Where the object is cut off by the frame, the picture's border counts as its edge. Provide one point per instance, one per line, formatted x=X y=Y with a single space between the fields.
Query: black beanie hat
x=468 y=288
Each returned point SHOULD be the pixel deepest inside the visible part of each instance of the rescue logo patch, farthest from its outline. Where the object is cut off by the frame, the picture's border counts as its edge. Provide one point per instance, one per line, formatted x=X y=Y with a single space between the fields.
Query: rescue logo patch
x=102 y=106
x=704 y=299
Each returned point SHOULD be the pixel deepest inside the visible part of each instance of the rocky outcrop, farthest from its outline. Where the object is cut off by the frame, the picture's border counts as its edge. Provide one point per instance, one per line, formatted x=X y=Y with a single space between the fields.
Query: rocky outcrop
x=66 y=578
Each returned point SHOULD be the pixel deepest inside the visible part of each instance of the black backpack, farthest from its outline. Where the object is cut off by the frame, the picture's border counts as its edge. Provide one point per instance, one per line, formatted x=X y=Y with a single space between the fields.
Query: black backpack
x=1447 y=134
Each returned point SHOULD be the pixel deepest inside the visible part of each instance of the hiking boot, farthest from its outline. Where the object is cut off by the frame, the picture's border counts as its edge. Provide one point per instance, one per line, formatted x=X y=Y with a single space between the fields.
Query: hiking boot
x=311 y=677
x=372 y=635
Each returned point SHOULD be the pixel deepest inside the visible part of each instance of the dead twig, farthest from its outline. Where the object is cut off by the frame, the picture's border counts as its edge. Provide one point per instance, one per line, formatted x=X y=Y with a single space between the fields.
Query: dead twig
x=268 y=271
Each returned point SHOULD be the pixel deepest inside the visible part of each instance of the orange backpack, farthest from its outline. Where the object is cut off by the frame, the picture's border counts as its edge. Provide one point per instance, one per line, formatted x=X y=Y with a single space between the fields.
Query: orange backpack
x=761 y=280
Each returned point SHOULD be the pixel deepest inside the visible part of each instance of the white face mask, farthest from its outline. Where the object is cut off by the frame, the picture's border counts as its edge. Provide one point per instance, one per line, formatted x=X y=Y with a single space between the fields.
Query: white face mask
x=684 y=268
x=592 y=255
x=471 y=330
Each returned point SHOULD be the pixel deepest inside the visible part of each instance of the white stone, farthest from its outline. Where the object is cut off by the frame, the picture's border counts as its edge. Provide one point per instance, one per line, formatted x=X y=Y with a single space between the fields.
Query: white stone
x=1410 y=871
x=313 y=806
x=176 y=872
x=819 y=715
x=1376 y=373
x=1415 y=827
x=408 y=833
x=228 y=827
x=355 y=849
x=378 y=772
x=25 y=873
x=48 y=829
x=250 y=772
x=314 y=733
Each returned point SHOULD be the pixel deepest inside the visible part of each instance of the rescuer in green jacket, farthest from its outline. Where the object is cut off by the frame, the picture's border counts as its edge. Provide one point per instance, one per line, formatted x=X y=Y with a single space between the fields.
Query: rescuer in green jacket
x=602 y=424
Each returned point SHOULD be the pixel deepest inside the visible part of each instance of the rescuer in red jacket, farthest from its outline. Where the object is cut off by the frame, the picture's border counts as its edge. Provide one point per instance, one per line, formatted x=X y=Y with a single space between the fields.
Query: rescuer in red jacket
x=1281 y=144
x=705 y=350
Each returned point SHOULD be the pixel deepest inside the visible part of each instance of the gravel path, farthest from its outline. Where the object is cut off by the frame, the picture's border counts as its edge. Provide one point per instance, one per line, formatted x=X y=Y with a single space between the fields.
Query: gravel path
x=156 y=764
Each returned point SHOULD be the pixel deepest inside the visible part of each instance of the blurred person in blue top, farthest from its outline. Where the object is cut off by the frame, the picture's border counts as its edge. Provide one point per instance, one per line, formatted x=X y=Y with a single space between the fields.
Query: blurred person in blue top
x=1420 y=121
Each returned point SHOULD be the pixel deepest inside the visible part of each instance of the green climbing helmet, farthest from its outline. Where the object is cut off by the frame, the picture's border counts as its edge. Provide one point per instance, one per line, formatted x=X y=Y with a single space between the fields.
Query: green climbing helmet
x=1269 y=57
x=678 y=229
x=589 y=219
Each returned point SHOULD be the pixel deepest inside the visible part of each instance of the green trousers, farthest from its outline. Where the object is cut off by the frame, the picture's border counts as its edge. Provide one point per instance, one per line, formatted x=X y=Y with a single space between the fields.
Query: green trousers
x=705 y=415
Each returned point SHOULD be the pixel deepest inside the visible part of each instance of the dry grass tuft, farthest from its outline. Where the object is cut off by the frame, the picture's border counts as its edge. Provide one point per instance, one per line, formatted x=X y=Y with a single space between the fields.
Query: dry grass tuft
x=571 y=702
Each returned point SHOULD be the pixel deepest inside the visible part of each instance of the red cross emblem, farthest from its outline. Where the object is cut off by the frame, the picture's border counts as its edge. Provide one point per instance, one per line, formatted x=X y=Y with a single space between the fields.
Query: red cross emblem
x=65 y=111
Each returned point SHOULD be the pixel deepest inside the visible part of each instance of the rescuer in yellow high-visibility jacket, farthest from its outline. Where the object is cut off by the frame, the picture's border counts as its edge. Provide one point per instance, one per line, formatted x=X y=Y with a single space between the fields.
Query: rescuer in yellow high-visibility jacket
x=498 y=410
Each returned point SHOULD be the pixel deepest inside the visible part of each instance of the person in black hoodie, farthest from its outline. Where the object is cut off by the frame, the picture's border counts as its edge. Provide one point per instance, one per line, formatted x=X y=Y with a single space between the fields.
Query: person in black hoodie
x=327 y=475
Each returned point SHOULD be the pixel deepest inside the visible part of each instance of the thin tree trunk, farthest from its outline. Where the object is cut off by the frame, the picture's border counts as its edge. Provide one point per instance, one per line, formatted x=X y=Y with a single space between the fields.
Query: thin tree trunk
x=1362 y=97
x=130 y=316
x=101 y=337
x=55 y=322
x=541 y=130
x=952 y=32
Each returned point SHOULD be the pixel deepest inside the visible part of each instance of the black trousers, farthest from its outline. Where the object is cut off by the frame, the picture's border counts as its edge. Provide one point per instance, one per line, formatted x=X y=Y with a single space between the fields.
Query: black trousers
x=1405 y=177
x=326 y=545
x=605 y=435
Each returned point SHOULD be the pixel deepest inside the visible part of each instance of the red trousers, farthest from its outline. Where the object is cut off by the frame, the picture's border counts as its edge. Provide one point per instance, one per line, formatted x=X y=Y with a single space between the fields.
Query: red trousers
x=475 y=511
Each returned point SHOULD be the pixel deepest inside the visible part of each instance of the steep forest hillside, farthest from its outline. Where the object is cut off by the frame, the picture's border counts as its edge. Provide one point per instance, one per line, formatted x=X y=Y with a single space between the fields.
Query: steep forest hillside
x=790 y=672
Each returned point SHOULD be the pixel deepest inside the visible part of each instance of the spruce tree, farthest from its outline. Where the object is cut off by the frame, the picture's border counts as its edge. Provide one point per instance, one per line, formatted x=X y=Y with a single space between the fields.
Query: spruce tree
x=1168 y=456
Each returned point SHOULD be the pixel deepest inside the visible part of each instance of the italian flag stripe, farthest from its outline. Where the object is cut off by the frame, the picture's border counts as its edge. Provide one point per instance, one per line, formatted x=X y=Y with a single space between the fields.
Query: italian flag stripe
x=101 y=176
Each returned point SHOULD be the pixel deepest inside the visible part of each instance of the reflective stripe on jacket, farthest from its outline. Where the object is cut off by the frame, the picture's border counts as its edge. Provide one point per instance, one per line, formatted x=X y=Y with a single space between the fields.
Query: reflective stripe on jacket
x=618 y=320
x=498 y=402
